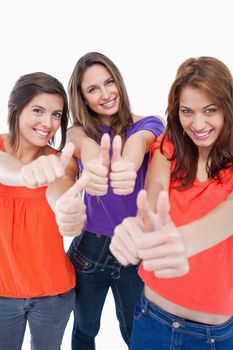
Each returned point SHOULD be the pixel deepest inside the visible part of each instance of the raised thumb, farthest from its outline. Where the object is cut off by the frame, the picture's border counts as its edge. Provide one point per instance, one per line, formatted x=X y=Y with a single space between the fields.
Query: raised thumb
x=116 y=149
x=144 y=211
x=67 y=154
x=104 y=150
x=76 y=188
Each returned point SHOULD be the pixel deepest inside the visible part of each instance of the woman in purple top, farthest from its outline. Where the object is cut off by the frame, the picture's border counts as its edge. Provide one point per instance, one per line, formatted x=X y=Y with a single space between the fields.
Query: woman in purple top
x=112 y=145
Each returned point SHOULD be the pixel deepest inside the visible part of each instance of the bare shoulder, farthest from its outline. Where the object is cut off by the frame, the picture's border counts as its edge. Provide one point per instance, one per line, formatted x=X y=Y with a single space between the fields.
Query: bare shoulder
x=136 y=118
x=75 y=131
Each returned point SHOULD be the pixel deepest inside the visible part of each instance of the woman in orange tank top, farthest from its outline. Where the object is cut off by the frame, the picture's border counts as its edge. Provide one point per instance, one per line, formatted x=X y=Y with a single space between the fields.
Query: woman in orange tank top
x=36 y=276
x=187 y=303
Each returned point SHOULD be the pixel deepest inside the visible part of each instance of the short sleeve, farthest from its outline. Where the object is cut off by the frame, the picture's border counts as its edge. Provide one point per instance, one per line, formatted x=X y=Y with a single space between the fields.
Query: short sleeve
x=168 y=147
x=152 y=123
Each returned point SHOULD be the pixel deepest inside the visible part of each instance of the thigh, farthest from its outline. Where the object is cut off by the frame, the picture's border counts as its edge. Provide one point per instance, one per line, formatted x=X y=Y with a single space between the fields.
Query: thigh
x=91 y=291
x=12 y=323
x=48 y=318
x=88 y=258
x=127 y=290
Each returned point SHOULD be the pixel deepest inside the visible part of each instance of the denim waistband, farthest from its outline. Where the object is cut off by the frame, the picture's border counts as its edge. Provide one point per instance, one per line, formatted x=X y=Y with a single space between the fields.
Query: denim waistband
x=184 y=326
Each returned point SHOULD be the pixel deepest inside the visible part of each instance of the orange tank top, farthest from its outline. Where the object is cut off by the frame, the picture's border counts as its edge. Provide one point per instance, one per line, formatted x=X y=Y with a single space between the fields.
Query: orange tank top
x=33 y=262
x=208 y=287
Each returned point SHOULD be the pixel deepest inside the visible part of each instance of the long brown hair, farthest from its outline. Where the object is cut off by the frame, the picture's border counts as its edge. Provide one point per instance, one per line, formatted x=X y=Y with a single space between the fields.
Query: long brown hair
x=25 y=89
x=213 y=77
x=82 y=114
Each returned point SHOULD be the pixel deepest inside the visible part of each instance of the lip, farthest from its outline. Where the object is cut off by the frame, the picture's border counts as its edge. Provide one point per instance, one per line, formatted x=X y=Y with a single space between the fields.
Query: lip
x=109 y=104
x=41 y=133
x=201 y=135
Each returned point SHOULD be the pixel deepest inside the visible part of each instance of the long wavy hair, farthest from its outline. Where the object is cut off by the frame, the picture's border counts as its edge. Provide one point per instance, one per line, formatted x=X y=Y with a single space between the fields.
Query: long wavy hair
x=82 y=114
x=213 y=77
x=25 y=89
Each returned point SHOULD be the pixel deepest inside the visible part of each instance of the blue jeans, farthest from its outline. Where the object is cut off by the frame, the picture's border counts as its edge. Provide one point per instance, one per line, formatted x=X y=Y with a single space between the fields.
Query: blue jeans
x=47 y=318
x=96 y=271
x=155 y=329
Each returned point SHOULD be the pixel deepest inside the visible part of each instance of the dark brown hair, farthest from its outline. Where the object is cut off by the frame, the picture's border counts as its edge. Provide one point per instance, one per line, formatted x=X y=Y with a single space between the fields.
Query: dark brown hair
x=25 y=89
x=82 y=114
x=213 y=77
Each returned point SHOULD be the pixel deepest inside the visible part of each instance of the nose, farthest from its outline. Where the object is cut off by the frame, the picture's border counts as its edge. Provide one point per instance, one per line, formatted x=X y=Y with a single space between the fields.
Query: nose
x=198 y=122
x=47 y=121
x=105 y=93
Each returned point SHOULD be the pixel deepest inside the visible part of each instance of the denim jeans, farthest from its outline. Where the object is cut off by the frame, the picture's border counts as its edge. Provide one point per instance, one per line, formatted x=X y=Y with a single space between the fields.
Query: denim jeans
x=96 y=271
x=155 y=329
x=47 y=318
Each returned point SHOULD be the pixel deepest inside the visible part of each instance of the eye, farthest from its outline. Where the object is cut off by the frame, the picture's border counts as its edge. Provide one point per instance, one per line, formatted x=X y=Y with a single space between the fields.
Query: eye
x=210 y=110
x=37 y=111
x=92 y=90
x=110 y=82
x=57 y=115
x=186 y=111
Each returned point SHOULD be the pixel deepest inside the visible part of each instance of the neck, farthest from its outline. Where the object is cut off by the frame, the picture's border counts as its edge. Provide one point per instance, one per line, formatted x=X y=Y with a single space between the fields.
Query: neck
x=28 y=153
x=203 y=154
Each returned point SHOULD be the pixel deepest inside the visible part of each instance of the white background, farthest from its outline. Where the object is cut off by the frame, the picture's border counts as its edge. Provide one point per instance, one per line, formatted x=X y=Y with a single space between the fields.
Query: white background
x=147 y=39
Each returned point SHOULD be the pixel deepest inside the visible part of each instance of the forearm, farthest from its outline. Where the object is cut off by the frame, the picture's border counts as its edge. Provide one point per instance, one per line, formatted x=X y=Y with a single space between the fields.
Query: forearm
x=89 y=150
x=157 y=178
x=134 y=151
x=10 y=170
x=209 y=230
x=86 y=148
x=153 y=191
x=56 y=190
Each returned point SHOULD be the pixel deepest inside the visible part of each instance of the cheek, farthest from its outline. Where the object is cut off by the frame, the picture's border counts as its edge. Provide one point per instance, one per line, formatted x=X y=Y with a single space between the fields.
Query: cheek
x=90 y=99
x=56 y=125
x=184 y=122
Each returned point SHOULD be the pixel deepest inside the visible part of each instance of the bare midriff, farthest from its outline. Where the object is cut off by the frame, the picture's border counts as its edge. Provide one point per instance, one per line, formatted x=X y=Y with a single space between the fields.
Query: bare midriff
x=180 y=311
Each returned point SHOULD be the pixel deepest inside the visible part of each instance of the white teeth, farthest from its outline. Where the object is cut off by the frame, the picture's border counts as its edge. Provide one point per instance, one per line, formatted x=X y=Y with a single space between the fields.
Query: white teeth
x=109 y=104
x=40 y=132
x=201 y=134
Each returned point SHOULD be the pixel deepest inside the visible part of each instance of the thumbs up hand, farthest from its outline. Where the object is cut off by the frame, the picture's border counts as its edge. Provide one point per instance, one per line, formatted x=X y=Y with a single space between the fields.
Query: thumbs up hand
x=149 y=220
x=129 y=235
x=46 y=169
x=98 y=170
x=162 y=249
x=153 y=238
x=69 y=209
x=123 y=173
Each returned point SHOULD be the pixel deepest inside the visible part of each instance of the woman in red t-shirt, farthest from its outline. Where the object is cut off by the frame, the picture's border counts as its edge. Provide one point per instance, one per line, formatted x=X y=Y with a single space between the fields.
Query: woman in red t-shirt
x=36 y=276
x=193 y=310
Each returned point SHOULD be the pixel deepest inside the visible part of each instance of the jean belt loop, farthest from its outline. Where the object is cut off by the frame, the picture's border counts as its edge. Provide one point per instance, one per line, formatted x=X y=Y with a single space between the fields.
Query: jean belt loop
x=145 y=305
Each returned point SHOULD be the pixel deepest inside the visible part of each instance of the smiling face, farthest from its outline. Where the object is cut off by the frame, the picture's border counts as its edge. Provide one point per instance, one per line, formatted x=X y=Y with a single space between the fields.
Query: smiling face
x=201 y=118
x=100 y=92
x=40 y=119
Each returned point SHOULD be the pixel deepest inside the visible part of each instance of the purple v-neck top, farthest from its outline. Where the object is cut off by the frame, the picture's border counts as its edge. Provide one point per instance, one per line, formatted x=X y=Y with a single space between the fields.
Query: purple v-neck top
x=106 y=212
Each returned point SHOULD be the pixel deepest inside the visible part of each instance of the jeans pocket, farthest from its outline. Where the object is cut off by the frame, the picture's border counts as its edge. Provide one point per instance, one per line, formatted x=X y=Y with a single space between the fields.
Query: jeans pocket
x=82 y=263
x=138 y=312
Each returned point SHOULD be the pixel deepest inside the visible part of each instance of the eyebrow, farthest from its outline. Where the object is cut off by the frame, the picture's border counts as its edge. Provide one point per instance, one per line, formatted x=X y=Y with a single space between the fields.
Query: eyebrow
x=38 y=106
x=211 y=104
x=94 y=85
